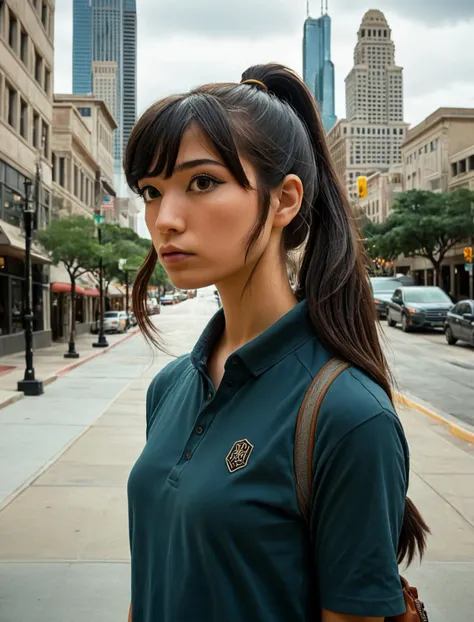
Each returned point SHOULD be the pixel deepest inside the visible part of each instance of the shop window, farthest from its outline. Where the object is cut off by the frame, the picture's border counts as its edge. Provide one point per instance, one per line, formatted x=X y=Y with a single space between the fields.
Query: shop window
x=38 y=67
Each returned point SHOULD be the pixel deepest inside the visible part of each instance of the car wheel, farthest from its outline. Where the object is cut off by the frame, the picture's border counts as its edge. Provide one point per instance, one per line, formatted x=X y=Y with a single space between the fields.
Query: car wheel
x=405 y=327
x=450 y=337
x=390 y=322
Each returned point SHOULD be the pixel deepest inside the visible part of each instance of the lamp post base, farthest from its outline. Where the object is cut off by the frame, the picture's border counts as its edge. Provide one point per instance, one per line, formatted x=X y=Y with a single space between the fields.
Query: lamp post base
x=31 y=387
x=71 y=355
x=101 y=342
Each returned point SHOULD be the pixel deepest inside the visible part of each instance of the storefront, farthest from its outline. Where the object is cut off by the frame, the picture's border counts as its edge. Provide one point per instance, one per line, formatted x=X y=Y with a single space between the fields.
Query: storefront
x=12 y=293
x=86 y=307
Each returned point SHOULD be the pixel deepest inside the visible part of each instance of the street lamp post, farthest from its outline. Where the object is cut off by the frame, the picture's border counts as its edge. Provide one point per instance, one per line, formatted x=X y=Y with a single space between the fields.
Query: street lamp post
x=101 y=341
x=29 y=385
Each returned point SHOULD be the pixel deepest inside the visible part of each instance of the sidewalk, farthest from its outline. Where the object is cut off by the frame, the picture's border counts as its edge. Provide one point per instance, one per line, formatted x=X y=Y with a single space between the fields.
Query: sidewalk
x=49 y=363
x=64 y=552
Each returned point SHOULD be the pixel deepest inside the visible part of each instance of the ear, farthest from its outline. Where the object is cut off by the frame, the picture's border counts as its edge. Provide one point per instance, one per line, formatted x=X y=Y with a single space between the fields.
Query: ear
x=287 y=201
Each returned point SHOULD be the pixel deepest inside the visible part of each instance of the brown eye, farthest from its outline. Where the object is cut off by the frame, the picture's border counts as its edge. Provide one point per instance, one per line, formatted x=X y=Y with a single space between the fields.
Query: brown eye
x=149 y=193
x=203 y=183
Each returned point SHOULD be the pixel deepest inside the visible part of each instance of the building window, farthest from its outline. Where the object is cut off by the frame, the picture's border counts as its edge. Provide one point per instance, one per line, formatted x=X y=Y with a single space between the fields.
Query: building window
x=38 y=66
x=13 y=32
x=85 y=112
x=45 y=139
x=12 y=105
x=471 y=163
x=462 y=166
x=44 y=15
x=24 y=47
x=76 y=180
x=35 y=129
x=47 y=80
x=454 y=169
x=81 y=194
x=62 y=166
x=23 y=119
x=54 y=168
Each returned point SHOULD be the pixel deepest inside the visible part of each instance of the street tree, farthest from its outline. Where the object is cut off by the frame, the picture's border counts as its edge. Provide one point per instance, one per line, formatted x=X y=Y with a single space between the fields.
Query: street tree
x=427 y=224
x=71 y=241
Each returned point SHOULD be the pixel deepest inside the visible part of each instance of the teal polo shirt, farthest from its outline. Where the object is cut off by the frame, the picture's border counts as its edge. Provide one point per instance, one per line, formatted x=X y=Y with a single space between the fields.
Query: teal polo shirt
x=215 y=530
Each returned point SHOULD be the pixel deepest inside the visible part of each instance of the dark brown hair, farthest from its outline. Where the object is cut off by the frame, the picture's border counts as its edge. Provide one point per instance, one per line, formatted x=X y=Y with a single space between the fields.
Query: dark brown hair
x=279 y=132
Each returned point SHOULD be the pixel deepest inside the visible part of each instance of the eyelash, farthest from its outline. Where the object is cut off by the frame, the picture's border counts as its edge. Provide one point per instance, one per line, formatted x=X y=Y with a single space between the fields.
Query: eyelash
x=217 y=182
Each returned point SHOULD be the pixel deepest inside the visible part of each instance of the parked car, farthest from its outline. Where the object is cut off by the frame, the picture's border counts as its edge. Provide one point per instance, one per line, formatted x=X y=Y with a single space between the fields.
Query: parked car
x=459 y=324
x=382 y=289
x=418 y=307
x=115 y=321
x=167 y=299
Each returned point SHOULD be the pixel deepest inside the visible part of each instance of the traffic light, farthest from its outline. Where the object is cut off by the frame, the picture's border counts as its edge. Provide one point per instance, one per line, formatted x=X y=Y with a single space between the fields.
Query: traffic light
x=468 y=254
x=362 y=187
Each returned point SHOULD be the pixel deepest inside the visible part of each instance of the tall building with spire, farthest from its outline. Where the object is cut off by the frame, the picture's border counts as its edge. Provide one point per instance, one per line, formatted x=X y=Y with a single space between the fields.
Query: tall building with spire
x=104 y=63
x=318 y=69
x=369 y=139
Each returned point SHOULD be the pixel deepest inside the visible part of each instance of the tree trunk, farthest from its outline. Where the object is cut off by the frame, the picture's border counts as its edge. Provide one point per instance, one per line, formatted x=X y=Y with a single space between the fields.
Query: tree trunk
x=437 y=272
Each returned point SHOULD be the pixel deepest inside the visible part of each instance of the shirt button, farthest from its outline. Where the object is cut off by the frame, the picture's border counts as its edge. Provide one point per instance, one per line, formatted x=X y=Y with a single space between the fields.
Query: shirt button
x=234 y=362
x=199 y=429
x=188 y=455
x=209 y=395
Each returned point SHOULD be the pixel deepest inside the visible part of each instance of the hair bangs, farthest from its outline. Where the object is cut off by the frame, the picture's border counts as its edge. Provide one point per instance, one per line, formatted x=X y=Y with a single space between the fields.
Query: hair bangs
x=155 y=141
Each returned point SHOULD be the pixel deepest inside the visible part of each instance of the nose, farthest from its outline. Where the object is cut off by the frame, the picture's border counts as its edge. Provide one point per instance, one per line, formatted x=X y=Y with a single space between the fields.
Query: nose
x=170 y=215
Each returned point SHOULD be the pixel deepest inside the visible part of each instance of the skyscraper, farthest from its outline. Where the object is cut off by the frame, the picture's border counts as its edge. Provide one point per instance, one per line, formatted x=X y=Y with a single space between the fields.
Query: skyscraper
x=318 y=69
x=104 y=63
x=369 y=139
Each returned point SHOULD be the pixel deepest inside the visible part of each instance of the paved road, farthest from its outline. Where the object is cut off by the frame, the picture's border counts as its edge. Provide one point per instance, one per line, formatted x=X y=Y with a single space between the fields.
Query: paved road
x=64 y=539
x=426 y=367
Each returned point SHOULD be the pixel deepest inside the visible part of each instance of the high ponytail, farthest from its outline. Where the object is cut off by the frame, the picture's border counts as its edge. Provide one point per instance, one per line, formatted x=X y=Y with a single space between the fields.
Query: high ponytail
x=271 y=120
x=332 y=276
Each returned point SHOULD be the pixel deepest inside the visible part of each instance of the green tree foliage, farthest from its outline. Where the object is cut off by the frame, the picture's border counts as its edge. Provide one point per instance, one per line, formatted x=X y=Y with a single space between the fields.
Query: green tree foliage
x=427 y=224
x=72 y=242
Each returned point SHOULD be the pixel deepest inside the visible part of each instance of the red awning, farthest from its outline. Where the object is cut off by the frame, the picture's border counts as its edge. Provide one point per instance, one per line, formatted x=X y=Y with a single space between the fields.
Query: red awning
x=92 y=292
x=66 y=288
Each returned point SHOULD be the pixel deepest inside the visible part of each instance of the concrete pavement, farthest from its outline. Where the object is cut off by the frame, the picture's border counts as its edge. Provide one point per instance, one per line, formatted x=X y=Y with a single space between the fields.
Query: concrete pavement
x=64 y=463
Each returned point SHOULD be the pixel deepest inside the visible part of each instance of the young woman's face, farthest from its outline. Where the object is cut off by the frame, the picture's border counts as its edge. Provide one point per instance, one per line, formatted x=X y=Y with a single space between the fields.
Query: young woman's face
x=200 y=218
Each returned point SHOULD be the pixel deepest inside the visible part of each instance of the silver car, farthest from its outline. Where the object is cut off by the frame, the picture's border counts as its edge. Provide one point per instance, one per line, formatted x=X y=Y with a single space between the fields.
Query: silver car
x=115 y=321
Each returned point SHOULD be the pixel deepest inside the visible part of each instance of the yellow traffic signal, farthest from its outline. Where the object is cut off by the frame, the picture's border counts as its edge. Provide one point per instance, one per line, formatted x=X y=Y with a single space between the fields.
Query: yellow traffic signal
x=362 y=187
x=468 y=254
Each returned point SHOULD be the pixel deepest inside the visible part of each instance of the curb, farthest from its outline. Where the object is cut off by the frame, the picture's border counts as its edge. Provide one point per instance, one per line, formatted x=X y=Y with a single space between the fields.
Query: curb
x=455 y=429
x=50 y=379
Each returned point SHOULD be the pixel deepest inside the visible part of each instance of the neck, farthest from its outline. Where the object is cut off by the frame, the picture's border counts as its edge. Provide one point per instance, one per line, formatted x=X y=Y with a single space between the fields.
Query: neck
x=264 y=302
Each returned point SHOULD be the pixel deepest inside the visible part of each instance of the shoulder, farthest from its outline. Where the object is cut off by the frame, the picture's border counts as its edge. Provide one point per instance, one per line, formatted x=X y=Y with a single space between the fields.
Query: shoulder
x=357 y=411
x=164 y=380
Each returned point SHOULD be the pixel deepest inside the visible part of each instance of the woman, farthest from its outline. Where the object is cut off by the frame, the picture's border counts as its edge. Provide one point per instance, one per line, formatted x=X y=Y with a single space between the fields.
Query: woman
x=234 y=177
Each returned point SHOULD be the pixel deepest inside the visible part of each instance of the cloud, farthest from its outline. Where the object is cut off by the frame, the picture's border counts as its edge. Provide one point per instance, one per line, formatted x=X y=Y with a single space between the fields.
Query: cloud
x=424 y=11
x=217 y=18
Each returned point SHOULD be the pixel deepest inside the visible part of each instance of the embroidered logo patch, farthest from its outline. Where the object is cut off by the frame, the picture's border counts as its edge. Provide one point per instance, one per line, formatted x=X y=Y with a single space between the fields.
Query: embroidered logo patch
x=239 y=455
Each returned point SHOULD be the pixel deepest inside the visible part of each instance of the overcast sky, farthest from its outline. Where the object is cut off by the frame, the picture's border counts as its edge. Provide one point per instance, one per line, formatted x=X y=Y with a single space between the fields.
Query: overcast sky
x=184 y=43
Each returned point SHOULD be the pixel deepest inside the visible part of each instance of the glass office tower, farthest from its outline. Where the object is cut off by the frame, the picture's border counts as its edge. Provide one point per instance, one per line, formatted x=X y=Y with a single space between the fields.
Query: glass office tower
x=318 y=69
x=105 y=32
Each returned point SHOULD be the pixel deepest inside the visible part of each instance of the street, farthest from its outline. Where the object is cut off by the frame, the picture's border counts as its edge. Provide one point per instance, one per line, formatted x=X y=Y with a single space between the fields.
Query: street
x=65 y=459
x=427 y=368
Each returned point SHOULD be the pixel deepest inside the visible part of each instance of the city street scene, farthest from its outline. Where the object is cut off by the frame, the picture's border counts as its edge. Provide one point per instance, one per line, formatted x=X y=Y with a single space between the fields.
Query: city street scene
x=394 y=88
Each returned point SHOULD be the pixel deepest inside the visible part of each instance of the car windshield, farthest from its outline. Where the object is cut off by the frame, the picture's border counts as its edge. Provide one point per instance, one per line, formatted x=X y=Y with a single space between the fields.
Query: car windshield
x=111 y=314
x=427 y=294
x=380 y=286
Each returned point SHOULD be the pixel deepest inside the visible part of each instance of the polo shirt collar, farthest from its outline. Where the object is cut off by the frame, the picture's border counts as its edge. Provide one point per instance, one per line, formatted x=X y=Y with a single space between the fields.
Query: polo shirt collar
x=273 y=345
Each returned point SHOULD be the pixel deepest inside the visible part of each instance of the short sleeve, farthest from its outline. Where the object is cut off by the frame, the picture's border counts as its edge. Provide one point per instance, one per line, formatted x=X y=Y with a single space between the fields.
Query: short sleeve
x=359 y=492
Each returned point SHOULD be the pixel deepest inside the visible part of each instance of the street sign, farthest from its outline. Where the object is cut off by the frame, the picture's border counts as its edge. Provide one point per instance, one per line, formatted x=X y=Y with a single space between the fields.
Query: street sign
x=99 y=219
x=468 y=267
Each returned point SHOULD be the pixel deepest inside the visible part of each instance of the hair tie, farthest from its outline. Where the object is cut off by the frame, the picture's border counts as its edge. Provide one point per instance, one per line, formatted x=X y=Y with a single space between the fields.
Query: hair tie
x=252 y=81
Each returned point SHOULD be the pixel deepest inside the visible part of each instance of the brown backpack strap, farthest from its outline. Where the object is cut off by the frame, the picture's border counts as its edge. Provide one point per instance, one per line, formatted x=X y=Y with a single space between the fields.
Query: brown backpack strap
x=306 y=429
